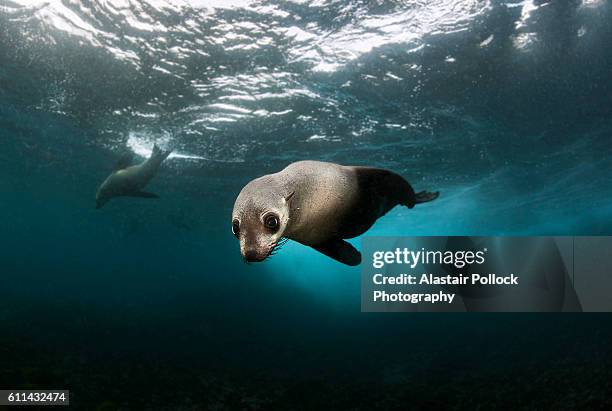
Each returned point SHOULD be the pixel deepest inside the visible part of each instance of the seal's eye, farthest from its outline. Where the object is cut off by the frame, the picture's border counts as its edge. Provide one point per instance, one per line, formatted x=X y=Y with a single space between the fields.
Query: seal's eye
x=236 y=228
x=271 y=222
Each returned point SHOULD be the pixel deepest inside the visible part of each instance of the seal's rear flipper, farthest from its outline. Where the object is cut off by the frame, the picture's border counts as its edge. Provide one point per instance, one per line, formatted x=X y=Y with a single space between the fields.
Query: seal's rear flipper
x=340 y=250
x=143 y=194
x=384 y=189
x=426 y=196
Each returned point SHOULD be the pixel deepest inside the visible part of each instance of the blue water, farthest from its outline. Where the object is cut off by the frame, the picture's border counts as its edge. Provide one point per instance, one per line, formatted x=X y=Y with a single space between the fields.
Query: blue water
x=504 y=107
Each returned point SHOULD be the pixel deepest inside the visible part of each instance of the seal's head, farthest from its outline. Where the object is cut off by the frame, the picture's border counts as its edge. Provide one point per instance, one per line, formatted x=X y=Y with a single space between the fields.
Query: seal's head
x=105 y=192
x=260 y=217
x=102 y=197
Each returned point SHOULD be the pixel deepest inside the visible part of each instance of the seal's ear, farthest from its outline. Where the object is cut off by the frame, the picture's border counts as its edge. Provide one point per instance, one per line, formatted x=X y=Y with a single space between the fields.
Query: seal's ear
x=289 y=196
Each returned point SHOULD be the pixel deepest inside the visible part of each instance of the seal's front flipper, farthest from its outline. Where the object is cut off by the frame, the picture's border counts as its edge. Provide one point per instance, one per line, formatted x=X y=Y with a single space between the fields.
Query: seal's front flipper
x=143 y=194
x=426 y=196
x=339 y=250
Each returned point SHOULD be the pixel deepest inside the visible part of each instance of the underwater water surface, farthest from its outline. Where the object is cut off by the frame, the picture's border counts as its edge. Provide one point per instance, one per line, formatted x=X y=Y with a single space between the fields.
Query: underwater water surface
x=505 y=107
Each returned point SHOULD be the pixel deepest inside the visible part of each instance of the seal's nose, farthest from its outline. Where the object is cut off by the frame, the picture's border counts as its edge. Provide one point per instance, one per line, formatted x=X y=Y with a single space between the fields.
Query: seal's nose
x=252 y=256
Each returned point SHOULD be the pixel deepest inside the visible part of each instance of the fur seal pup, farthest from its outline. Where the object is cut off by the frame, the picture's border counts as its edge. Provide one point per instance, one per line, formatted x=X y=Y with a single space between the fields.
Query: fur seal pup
x=319 y=205
x=129 y=180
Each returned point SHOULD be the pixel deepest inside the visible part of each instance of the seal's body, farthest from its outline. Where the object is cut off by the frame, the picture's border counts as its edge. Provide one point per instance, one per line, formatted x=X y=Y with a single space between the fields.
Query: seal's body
x=130 y=180
x=317 y=204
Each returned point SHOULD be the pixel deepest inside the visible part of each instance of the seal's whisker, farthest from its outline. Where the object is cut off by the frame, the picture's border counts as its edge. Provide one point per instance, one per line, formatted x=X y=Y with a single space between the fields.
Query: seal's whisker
x=276 y=246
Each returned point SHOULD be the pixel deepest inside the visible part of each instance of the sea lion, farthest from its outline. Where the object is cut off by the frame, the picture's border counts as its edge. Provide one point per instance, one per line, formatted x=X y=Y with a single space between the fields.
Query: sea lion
x=129 y=180
x=317 y=204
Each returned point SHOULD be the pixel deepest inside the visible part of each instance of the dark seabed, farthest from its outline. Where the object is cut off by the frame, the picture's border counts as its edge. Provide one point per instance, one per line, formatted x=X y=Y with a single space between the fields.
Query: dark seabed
x=505 y=107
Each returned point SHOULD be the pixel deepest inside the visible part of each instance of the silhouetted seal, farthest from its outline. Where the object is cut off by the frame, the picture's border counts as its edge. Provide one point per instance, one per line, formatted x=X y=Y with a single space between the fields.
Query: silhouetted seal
x=319 y=205
x=130 y=180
